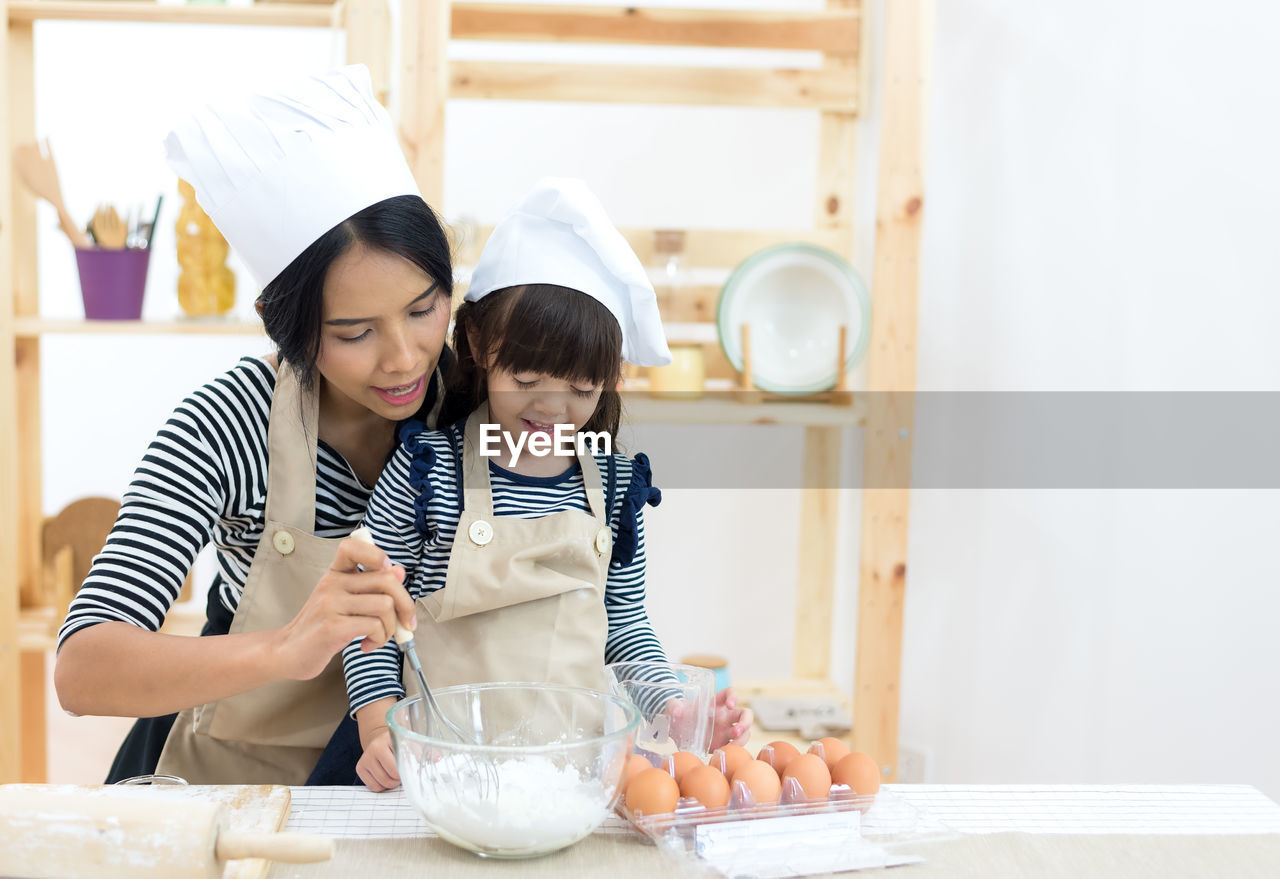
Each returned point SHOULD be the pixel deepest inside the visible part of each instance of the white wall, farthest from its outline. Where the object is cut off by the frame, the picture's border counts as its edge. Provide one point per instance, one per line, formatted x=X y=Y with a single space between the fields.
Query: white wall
x=1101 y=214
x=1099 y=189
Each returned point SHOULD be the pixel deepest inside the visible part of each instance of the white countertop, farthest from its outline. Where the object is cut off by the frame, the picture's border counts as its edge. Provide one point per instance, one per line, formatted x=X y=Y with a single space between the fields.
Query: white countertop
x=355 y=812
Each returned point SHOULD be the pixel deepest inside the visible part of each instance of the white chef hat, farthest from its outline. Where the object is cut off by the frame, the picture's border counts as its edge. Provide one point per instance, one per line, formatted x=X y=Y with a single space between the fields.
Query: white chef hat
x=276 y=170
x=559 y=234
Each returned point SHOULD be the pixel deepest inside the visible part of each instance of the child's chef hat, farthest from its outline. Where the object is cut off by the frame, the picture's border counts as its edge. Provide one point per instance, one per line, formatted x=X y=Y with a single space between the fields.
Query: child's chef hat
x=275 y=171
x=560 y=235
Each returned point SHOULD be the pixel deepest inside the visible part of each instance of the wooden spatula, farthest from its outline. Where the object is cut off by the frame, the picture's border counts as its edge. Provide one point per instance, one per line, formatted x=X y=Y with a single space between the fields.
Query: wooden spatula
x=109 y=229
x=38 y=171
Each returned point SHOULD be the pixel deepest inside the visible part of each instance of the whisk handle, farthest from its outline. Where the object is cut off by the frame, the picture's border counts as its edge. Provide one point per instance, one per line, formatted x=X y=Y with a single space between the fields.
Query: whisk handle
x=403 y=636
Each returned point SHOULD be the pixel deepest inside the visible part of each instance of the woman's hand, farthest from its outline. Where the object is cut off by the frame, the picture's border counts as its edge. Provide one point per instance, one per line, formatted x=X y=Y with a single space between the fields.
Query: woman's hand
x=167 y=673
x=732 y=725
x=360 y=596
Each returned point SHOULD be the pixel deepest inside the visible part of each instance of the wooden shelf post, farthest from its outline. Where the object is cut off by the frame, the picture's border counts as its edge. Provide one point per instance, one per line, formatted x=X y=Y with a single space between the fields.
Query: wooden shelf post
x=891 y=377
x=10 y=590
x=424 y=88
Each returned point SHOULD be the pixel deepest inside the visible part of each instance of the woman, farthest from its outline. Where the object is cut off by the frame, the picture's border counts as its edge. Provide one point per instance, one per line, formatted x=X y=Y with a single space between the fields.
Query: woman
x=273 y=462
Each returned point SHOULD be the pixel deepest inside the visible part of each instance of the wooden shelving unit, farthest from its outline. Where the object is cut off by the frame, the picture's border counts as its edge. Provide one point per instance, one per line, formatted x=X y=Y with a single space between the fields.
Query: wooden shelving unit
x=836 y=90
x=273 y=14
x=641 y=408
x=427 y=81
x=35 y=327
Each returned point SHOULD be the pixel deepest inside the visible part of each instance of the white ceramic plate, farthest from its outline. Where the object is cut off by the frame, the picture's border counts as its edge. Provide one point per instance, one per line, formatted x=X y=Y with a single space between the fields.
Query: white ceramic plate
x=795 y=297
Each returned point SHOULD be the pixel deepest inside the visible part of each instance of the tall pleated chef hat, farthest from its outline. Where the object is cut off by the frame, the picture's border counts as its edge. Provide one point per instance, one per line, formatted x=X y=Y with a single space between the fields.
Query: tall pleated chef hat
x=560 y=234
x=276 y=170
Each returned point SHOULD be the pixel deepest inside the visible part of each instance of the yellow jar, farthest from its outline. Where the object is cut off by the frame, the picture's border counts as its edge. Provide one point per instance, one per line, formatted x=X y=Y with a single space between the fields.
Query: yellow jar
x=684 y=377
x=206 y=286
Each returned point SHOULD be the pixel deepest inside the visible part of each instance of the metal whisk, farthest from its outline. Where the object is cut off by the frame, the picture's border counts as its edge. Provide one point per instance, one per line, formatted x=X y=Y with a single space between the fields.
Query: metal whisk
x=480 y=772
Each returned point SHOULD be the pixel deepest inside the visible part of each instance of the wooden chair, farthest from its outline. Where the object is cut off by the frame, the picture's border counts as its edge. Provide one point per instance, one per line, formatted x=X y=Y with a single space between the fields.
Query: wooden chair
x=69 y=541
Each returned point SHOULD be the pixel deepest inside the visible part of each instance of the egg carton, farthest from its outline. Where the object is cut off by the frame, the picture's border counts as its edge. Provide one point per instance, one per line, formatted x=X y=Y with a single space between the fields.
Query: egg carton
x=794 y=837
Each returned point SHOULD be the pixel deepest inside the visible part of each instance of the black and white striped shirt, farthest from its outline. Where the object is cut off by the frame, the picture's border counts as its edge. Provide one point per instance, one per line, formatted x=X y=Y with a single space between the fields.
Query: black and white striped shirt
x=399 y=512
x=203 y=479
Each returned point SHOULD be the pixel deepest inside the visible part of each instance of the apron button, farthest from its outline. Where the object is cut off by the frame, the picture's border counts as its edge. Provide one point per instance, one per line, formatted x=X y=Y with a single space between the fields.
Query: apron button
x=602 y=540
x=480 y=532
x=283 y=542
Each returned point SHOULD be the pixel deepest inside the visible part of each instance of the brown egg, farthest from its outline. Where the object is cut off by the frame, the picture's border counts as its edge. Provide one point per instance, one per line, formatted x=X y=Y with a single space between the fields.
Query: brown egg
x=635 y=765
x=760 y=779
x=833 y=750
x=730 y=759
x=706 y=785
x=681 y=762
x=778 y=755
x=858 y=771
x=652 y=792
x=812 y=774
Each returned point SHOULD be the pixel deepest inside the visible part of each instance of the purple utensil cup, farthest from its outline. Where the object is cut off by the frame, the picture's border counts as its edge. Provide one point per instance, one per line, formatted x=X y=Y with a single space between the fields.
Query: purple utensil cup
x=112 y=282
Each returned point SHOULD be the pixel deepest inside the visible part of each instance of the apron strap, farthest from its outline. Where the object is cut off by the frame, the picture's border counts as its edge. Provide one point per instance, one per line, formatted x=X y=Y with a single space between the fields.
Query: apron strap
x=477 y=497
x=477 y=494
x=293 y=422
x=595 y=490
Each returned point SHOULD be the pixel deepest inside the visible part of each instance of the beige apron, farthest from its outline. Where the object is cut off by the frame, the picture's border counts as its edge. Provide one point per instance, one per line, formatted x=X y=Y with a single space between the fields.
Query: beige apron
x=523 y=598
x=273 y=734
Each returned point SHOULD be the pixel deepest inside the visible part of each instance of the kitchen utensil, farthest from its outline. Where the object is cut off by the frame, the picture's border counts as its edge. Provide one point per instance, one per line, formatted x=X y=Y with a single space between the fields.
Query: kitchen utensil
x=151 y=228
x=109 y=230
x=794 y=298
x=133 y=220
x=482 y=775
x=677 y=703
x=132 y=833
x=560 y=753
x=258 y=808
x=40 y=174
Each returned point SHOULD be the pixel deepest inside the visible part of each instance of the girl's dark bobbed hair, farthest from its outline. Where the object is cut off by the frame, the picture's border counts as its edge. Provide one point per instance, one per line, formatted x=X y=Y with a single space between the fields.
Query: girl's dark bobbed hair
x=292 y=304
x=544 y=328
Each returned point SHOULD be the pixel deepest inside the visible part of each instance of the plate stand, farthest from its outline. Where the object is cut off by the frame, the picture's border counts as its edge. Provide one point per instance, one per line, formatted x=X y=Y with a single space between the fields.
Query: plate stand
x=839 y=395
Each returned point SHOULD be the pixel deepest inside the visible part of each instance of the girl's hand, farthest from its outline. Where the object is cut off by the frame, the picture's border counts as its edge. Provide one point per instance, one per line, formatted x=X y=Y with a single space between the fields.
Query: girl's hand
x=360 y=596
x=377 y=766
x=732 y=725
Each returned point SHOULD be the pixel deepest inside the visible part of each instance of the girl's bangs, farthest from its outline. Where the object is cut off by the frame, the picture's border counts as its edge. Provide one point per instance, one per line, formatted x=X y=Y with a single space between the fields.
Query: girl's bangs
x=535 y=317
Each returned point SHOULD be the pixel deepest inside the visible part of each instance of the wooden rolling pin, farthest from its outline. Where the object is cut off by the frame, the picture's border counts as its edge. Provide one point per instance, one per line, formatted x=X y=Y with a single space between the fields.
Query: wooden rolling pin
x=60 y=834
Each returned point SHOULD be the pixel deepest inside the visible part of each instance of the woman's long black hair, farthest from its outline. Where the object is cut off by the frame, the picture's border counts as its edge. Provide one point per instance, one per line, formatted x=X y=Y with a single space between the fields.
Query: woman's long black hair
x=544 y=328
x=292 y=304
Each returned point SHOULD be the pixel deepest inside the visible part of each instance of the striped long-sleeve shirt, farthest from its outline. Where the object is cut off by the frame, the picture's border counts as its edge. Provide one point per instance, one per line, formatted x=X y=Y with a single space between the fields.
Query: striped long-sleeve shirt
x=417 y=528
x=203 y=480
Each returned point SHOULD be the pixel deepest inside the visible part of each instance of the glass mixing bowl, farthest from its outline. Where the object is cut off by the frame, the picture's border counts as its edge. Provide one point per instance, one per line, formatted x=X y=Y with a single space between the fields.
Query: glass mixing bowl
x=543 y=770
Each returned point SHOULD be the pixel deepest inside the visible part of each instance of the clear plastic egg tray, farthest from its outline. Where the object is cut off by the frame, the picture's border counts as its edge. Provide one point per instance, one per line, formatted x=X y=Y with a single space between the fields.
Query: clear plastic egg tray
x=794 y=837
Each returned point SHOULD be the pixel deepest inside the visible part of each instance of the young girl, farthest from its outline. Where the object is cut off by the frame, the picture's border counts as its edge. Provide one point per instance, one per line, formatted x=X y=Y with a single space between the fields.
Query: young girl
x=525 y=566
